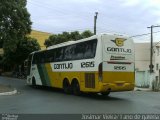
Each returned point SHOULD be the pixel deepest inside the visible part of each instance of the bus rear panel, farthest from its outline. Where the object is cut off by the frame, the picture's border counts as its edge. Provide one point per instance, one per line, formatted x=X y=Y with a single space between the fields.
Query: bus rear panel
x=117 y=63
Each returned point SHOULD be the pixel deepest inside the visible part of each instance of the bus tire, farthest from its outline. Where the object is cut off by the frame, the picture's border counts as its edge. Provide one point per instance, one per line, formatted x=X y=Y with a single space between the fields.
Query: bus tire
x=66 y=86
x=33 y=82
x=76 y=88
x=105 y=93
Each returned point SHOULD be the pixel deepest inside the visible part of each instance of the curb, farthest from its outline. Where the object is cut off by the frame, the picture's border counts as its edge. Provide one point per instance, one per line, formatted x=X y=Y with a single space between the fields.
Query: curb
x=142 y=89
x=9 y=93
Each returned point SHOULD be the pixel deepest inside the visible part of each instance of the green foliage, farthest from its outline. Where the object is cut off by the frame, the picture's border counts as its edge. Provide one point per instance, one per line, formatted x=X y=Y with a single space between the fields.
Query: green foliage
x=24 y=48
x=66 y=36
x=86 y=34
x=15 y=24
x=14 y=19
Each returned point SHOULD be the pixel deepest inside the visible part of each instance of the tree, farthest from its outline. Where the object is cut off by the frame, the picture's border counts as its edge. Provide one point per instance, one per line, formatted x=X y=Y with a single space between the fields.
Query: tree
x=66 y=36
x=24 y=48
x=15 y=24
x=75 y=35
x=86 y=34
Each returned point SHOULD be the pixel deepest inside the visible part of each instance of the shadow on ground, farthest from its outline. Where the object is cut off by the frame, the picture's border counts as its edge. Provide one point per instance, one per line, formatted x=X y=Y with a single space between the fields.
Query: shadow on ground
x=84 y=95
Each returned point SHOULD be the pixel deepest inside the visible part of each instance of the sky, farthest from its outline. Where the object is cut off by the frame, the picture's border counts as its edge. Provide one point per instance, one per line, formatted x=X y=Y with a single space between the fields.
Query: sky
x=126 y=17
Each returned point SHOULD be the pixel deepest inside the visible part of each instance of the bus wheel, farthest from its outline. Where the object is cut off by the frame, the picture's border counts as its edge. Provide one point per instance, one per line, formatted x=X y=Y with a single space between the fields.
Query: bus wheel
x=76 y=88
x=33 y=82
x=66 y=86
x=105 y=93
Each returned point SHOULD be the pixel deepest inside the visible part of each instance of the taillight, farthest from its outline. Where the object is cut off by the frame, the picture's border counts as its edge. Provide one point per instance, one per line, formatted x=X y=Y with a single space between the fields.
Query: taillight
x=100 y=72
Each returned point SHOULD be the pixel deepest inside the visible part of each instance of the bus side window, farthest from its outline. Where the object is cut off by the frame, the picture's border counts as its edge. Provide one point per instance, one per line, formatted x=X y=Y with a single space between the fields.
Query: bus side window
x=69 y=53
x=50 y=56
x=79 y=54
x=72 y=52
x=59 y=54
x=33 y=61
x=94 y=46
x=35 y=58
x=88 y=51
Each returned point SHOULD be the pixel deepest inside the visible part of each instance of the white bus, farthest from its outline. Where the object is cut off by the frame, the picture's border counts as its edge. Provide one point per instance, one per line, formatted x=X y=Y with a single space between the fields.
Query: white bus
x=99 y=64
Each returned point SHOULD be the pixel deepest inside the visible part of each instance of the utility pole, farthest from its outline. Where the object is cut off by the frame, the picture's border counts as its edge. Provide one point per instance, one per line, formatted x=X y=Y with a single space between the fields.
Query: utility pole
x=95 y=22
x=151 y=51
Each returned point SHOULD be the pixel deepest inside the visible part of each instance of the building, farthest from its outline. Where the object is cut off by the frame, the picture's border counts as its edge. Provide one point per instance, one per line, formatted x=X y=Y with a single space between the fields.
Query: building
x=156 y=83
x=142 y=56
x=142 y=62
x=40 y=36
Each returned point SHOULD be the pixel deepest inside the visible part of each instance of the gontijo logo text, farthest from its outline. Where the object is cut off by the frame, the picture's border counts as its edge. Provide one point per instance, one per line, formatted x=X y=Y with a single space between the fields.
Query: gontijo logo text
x=119 y=41
x=120 y=49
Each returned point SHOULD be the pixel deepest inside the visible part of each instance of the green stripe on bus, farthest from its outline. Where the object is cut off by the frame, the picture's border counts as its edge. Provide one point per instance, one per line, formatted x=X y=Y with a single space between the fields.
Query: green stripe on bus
x=46 y=75
x=43 y=75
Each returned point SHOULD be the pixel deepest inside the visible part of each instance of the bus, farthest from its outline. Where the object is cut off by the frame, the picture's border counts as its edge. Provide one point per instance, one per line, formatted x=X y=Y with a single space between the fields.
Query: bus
x=102 y=64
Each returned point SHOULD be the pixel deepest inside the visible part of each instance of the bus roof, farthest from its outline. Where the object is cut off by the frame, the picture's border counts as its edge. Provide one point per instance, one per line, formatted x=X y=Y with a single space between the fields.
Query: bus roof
x=71 y=42
x=61 y=44
x=78 y=41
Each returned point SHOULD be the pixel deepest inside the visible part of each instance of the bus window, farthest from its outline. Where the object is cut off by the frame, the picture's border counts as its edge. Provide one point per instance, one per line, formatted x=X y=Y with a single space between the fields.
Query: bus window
x=42 y=57
x=59 y=54
x=35 y=58
x=79 y=51
x=69 y=52
x=94 y=46
x=90 y=49
x=50 y=56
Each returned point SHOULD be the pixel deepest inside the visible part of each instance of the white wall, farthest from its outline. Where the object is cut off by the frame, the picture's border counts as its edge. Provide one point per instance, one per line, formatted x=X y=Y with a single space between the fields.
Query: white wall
x=142 y=62
x=142 y=56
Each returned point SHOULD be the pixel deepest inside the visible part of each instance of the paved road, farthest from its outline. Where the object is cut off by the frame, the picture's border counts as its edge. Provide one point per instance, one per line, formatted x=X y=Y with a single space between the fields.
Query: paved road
x=48 y=101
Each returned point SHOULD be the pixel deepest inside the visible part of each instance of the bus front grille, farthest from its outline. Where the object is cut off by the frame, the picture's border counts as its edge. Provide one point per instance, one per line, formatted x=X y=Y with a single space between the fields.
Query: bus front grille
x=90 y=80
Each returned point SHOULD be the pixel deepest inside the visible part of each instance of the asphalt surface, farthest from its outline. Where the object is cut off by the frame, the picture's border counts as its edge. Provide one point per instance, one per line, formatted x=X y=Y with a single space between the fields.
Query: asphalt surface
x=42 y=100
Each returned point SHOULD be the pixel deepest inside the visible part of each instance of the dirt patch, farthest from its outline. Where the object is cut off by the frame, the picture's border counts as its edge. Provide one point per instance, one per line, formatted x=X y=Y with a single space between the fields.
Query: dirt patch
x=5 y=88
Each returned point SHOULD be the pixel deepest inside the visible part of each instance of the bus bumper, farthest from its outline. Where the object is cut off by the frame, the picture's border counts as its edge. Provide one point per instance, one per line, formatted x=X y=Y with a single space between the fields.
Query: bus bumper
x=114 y=87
